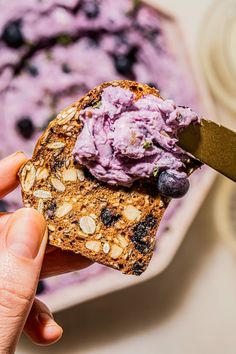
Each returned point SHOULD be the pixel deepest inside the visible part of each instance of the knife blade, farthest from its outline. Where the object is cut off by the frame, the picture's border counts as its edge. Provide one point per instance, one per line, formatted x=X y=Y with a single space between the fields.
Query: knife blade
x=212 y=144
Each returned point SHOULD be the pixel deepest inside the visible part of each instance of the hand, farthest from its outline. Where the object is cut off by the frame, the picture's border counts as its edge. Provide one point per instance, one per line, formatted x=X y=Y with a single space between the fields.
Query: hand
x=23 y=242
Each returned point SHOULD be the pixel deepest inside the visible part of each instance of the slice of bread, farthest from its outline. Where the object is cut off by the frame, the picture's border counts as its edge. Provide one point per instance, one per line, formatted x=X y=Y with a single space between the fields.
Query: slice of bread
x=115 y=226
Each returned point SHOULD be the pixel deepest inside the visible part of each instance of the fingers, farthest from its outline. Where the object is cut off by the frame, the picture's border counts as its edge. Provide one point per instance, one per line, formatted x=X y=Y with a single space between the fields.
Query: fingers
x=40 y=325
x=58 y=262
x=22 y=247
x=9 y=168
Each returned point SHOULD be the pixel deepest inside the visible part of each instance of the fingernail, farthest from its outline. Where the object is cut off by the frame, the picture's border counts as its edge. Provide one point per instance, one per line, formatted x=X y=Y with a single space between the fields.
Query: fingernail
x=15 y=154
x=25 y=233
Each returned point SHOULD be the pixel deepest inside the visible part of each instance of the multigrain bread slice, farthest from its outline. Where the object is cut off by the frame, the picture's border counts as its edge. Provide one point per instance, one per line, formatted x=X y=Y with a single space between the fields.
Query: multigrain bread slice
x=115 y=226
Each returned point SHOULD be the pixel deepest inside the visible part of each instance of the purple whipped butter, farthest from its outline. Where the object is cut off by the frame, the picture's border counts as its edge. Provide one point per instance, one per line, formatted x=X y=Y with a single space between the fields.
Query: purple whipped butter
x=124 y=140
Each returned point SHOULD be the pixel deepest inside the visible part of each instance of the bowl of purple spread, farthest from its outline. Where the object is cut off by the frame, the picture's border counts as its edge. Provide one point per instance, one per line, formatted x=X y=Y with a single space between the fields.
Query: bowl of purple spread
x=53 y=52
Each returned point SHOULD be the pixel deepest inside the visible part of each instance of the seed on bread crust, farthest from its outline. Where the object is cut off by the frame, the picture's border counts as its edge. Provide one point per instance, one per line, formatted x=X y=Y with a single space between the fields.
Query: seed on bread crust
x=106 y=247
x=93 y=246
x=51 y=227
x=132 y=213
x=28 y=176
x=58 y=185
x=69 y=174
x=63 y=210
x=42 y=173
x=40 y=206
x=87 y=225
x=80 y=174
x=41 y=193
x=116 y=251
x=67 y=115
x=56 y=145
x=122 y=241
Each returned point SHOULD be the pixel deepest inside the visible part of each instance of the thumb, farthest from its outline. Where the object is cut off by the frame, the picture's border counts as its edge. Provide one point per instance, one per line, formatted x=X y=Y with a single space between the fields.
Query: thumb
x=22 y=246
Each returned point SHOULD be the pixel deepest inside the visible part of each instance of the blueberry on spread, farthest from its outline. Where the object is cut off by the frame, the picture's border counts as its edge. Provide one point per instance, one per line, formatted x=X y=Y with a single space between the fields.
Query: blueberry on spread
x=124 y=62
x=170 y=185
x=25 y=127
x=12 y=35
x=91 y=9
x=32 y=70
x=108 y=218
x=66 y=69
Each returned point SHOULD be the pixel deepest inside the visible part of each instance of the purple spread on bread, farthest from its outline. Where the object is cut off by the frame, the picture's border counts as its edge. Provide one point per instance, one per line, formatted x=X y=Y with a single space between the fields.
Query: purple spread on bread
x=124 y=140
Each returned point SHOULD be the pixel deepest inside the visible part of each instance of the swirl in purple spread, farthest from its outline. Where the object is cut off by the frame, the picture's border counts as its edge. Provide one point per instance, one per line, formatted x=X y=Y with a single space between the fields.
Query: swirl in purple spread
x=124 y=140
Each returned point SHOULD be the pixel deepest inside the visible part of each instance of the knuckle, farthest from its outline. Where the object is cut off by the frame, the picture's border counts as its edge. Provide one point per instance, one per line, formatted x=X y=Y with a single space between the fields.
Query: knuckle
x=12 y=300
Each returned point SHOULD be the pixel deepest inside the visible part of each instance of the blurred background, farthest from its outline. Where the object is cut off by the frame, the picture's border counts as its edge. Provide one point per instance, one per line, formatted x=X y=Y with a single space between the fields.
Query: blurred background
x=185 y=302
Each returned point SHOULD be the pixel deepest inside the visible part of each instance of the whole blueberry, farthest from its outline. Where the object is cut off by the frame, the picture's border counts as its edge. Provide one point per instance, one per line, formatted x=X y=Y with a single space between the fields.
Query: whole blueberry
x=66 y=69
x=169 y=185
x=91 y=9
x=25 y=127
x=12 y=34
x=32 y=70
x=124 y=62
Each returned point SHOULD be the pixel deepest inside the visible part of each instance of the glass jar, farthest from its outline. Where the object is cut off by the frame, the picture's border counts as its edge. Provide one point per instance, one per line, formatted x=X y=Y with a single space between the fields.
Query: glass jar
x=217 y=48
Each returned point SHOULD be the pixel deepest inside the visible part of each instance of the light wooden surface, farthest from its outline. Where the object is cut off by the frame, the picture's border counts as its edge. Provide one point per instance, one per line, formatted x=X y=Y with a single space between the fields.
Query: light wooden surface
x=189 y=309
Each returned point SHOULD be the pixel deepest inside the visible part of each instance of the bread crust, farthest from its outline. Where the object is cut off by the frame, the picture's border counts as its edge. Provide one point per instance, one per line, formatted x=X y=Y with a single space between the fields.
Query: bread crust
x=115 y=226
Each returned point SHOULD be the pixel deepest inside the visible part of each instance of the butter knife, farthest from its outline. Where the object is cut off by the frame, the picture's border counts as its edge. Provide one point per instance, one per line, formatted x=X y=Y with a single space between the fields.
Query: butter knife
x=212 y=144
